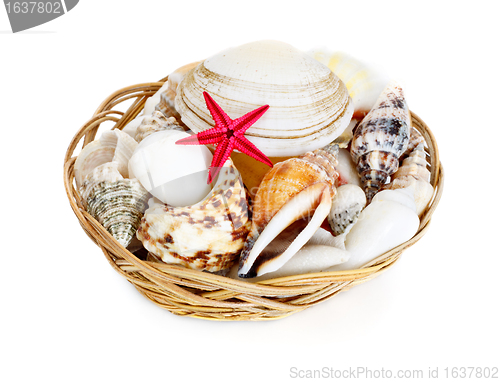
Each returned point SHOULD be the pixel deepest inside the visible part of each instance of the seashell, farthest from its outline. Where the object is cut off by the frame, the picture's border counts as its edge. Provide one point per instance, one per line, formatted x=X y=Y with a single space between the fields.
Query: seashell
x=206 y=236
x=364 y=82
x=414 y=175
x=117 y=203
x=348 y=174
x=311 y=258
x=114 y=145
x=131 y=127
x=175 y=174
x=300 y=118
x=388 y=221
x=346 y=207
x=151 y=102
x=154 y=123
x=380 y=139
x=166 y=104
x=415 y=140
x=292 y=201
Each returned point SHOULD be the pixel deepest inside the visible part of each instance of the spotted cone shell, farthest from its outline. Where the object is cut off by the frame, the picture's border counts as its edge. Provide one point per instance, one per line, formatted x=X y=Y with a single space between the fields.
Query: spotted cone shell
x=380 y=139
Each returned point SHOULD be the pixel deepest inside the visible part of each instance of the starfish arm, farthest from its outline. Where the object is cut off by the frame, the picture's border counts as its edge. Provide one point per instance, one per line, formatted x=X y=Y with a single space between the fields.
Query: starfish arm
x=210 y=136
x=242 y=124
x=220 y=117
x=245 y=146
x=222 y=152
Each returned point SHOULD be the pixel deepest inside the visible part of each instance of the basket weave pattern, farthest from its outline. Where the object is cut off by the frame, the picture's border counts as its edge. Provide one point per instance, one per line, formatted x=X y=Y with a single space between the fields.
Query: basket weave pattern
x=204 y=295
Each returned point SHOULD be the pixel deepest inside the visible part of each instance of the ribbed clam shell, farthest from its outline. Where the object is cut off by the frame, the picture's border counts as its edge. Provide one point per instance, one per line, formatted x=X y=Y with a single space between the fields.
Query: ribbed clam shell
x=309 y=105
x=347 y=204
x=292 y=201
x=118 y=206
x=114 y=145
x=206 y=236
x=414 y=175
x=153 y=123
x=380 y=139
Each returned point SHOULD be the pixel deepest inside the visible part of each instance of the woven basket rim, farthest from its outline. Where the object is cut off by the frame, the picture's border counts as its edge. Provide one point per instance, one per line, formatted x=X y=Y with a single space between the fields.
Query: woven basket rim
x=205 y=295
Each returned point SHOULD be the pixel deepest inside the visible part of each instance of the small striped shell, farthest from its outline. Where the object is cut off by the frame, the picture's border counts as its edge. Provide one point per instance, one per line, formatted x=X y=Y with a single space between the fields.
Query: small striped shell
x=380 y=139
x=414 y=175
x=346 y=207
x=208 y=235
x=117 y=203
x=153 y=123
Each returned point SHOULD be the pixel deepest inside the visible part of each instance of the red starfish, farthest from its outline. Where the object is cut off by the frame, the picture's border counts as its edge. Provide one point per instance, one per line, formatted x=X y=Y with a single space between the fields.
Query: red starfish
x=228 y=135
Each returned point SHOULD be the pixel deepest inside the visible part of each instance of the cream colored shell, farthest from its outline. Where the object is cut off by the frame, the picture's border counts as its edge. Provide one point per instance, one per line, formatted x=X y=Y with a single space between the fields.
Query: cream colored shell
x=309 y=105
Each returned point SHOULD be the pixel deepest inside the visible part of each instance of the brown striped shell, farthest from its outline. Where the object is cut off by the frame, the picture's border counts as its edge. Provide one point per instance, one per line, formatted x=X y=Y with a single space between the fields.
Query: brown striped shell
x=380 y=139
x=287 y=203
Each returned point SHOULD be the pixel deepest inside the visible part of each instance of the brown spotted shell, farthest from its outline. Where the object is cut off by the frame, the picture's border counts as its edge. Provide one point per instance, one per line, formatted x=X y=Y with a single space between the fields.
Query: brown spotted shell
x=208 y=235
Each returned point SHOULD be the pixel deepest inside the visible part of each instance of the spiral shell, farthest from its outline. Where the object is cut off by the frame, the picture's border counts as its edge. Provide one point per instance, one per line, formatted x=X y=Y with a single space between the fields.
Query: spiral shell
x=208 y=235
x=346 y=207
x=117 y=203
x=292 y=201
x=153 y=123
x=414 y=175
x=380 y=139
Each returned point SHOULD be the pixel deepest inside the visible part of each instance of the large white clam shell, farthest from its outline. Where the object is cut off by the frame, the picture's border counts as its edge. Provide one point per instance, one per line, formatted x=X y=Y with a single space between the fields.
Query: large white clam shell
x=309 y=105
x=175 y=174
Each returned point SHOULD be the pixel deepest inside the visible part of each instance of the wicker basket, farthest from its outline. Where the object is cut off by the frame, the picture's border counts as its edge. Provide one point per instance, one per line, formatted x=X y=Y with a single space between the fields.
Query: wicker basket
x=204 y=295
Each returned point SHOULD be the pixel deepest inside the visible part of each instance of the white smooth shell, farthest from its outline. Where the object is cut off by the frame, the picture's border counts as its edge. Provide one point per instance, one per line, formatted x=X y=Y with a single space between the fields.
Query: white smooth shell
x=175 y=174
x=385 y=223
x=309 y=105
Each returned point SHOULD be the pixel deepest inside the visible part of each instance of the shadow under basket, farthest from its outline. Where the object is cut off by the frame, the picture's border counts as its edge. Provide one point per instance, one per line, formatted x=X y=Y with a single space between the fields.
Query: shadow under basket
x=204 y=295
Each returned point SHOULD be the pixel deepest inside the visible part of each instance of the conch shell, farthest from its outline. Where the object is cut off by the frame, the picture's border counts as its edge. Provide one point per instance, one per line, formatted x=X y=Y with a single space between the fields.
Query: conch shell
x=309 y=105
x=206 y=236
x=117 y=203
x=292 y=201
x=380 y=139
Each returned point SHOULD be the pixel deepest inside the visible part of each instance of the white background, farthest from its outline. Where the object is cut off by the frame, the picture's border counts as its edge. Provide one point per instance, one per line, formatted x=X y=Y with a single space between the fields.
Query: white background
x=66 y=315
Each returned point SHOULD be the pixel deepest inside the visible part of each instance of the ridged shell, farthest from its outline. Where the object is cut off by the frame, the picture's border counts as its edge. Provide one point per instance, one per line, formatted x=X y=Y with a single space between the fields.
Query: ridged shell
x=153 y=123
x=347 y=204
x=309 y=105
x=112 y=146
x=414 y=175
x=292 y=201
x=206 y=236
x=117 y=203
x=380 y=139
